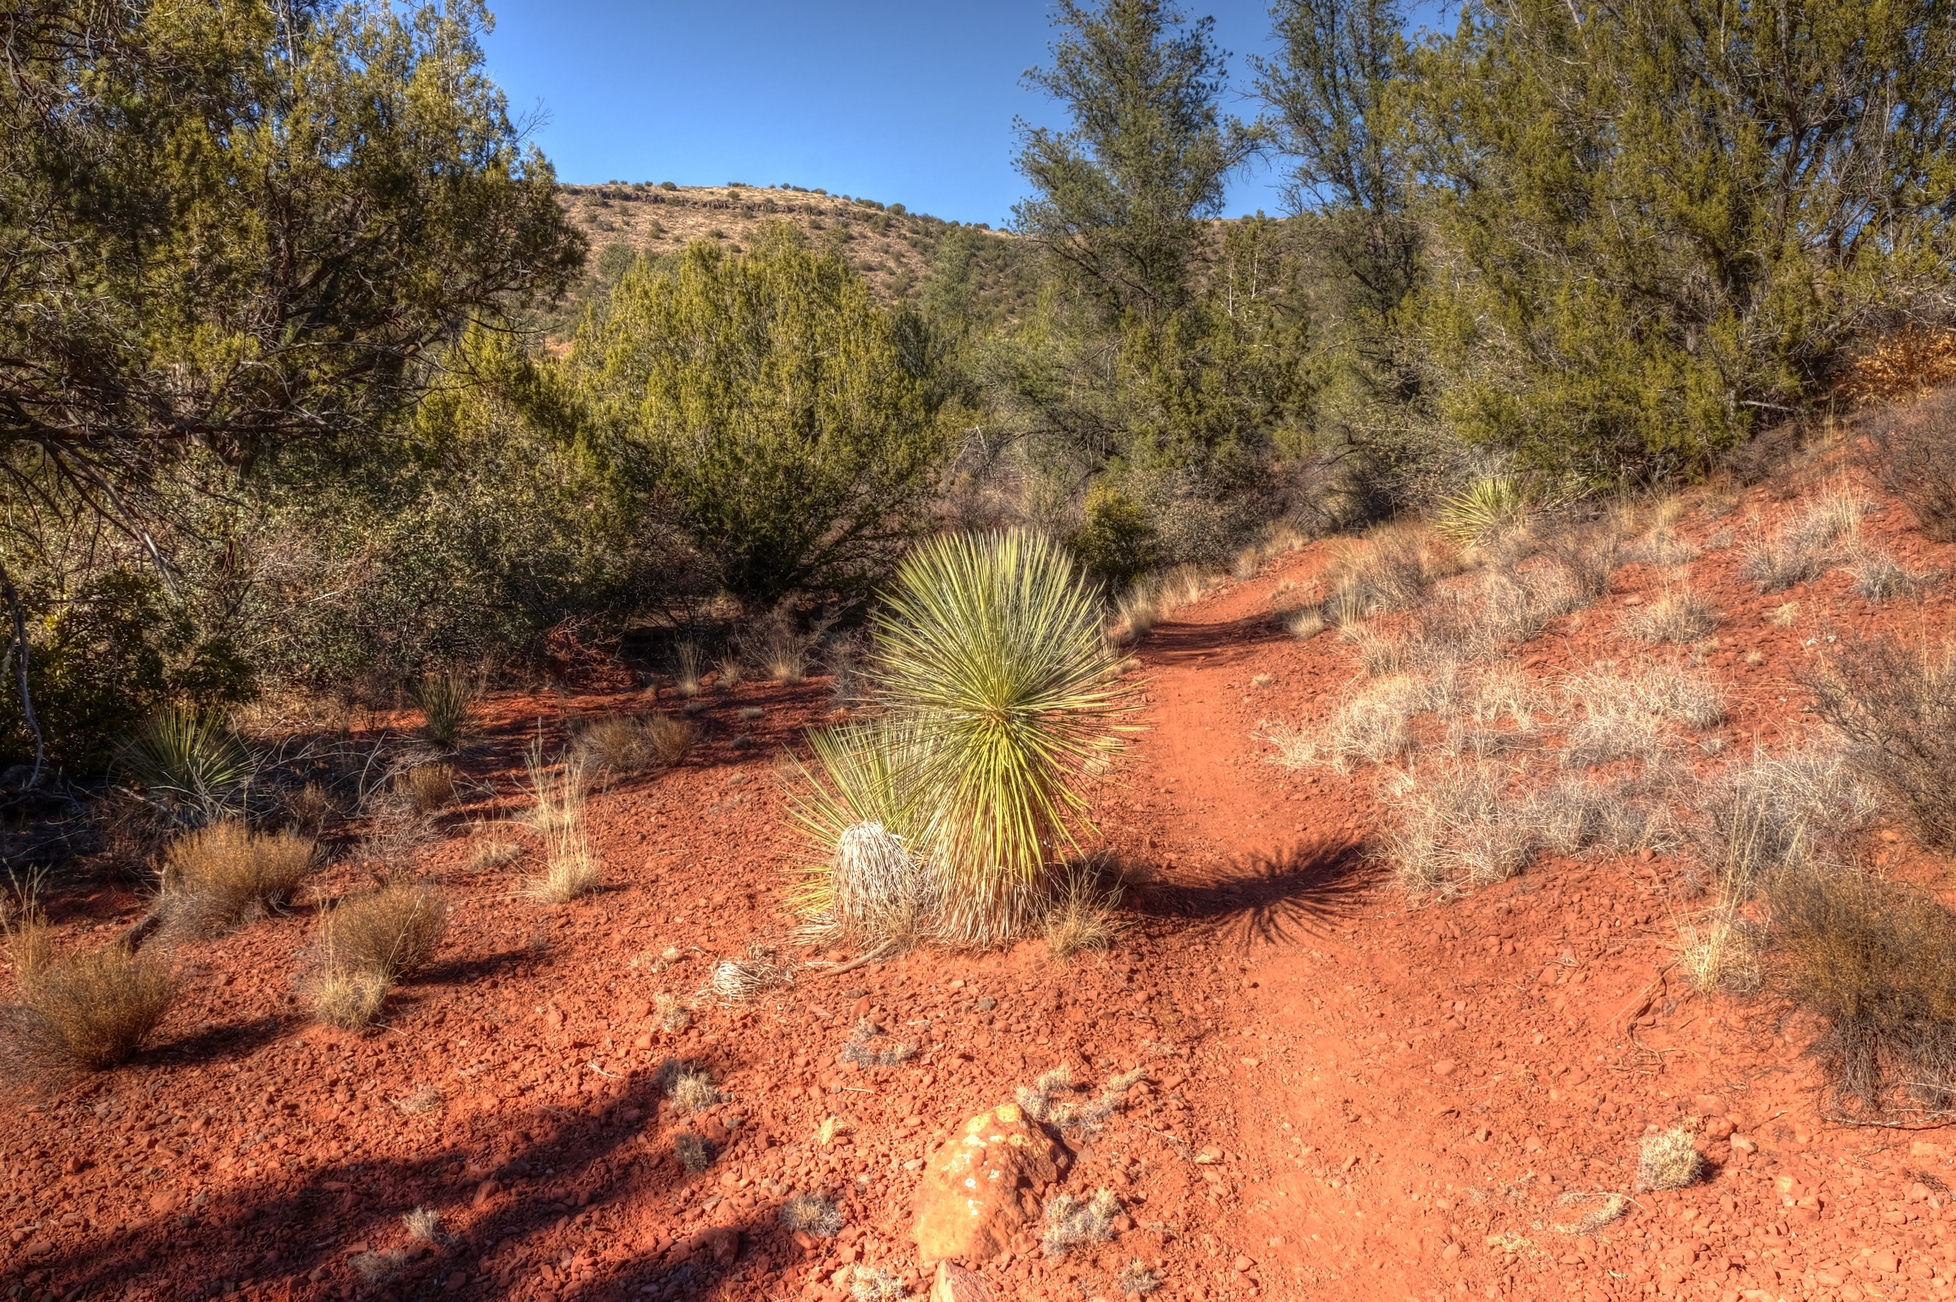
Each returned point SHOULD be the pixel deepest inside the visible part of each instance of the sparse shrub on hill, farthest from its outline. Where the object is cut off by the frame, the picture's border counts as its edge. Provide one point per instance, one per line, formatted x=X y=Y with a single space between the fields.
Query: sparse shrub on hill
x=623 y=746
x=1877 y=962
x=188 y=761
x=1896 y=705
x=1676 y=615
x=369 y=941
x=427 y=788
x=1915 y=455
x=88 y=1009
x=217 y=875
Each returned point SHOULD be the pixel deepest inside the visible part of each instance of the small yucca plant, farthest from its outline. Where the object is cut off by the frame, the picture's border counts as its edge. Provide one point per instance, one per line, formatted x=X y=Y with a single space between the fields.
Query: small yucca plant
x=445 y=702
x=1481 y=510
x=991 y=648
x=189 y=759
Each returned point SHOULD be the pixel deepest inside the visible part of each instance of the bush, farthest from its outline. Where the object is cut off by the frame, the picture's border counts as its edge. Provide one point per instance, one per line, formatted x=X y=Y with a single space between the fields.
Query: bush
x=368 y=942
x=217 y=875
x=1896 y=706
x=427 y=787
x=1915 y=454
x=89 y=1009
x=1877 y=962
x=1118 y=541
x=1485 y=508
x=1678 y=615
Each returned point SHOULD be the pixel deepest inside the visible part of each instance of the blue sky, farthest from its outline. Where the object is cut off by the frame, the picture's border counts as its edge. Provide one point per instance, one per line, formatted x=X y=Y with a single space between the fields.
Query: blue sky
x=898 y=101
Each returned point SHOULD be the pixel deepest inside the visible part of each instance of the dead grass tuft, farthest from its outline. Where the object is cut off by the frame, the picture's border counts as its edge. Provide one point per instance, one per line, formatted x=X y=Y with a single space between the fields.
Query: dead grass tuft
x=1594 y=1211
x=1136 y=1279
x=673 y=1015
x=378 y=1266
x=694 y=1153
x=686 y=1087
x=740 y=979
x=494 y=854
x=623 y=746
x=1081 y=914
x=874 y=1284
x=218 y=875
x=1668 y=1161
x=1678 y=615
x=1759 y=819
x=368 y=942
x=427 y=787
x=1720 y=953
x=90 y=1009
x=1806 y=546
x=1071 y=1223
x=423 y=1225
x=861 y=1050
x=570 y=866
x=1879 y=576
x=1896 y=706
x=811 y=1214
x=1456 y=829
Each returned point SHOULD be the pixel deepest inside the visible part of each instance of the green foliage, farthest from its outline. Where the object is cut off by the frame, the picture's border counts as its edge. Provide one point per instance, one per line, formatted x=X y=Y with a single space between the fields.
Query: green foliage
x=113 y=648
x=189 y=761
x=1118 y=539
x=992 y=649
x=230 y=225
x=775 y=404
x=1664 y=218
x=1119 y=199
x=1480 y=510
x=445 y=702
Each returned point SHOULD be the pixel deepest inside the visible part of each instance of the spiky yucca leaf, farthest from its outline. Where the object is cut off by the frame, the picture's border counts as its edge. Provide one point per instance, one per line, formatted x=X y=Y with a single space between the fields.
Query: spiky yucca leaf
x=992 y=647
x=863 y=773
x=1483 y=508
x=188 y=758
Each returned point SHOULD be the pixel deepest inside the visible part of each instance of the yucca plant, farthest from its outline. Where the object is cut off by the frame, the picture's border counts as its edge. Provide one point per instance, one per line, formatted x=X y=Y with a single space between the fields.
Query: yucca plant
x=1481 y=510
x=445 y=702
x=991 y=648
x=190 y=761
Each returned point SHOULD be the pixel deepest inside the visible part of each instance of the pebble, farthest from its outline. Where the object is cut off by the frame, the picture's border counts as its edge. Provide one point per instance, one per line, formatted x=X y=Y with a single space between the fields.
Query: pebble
x=986 y=1004
x=1444 y=1067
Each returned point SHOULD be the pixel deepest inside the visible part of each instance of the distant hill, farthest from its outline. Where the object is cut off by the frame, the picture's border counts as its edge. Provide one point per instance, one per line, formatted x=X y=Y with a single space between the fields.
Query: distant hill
x=889 y=247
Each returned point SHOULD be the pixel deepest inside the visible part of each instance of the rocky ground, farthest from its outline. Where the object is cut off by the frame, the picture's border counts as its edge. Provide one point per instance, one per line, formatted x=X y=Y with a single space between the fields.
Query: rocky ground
x=1347 y=1091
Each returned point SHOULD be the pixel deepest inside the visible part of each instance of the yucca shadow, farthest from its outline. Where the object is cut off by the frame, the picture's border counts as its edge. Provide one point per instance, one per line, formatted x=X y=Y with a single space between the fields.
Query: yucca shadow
x=1269 y=896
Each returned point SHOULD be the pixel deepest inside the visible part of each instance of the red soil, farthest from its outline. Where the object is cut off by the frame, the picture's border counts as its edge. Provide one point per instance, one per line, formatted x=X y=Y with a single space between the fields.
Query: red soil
x=1350 y=1095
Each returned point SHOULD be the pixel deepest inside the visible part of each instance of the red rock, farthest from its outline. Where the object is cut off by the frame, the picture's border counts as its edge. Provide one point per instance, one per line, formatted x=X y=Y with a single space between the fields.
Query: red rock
x=956 y=1284
x=1444 y=1067
x=485 y=1191
x=722 y=1243
x=968 y=1203
x=163 y=1203
x=1884 y=1262
x=1243 y=1264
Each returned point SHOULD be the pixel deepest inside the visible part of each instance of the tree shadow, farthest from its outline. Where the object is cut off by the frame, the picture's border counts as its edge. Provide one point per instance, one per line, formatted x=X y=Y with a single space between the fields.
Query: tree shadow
x=1268 y=897
x=1172 y=644
x=215 y=1043
x=517 y=1203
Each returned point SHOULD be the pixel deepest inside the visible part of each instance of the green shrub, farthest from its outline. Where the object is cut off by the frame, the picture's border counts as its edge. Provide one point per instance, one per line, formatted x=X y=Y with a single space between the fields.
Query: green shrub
x=1118 y=540
x=188 y=760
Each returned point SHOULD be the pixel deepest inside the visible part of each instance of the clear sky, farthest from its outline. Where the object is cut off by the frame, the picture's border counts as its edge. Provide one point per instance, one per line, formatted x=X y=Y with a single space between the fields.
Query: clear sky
x=905 y=101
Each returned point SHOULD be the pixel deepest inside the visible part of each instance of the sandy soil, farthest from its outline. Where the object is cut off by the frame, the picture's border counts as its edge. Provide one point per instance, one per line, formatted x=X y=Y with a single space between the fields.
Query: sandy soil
x=1350 y=1093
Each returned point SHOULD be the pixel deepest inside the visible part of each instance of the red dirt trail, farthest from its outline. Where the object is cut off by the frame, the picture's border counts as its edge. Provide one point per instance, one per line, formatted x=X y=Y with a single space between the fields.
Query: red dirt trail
x=1350 y=1094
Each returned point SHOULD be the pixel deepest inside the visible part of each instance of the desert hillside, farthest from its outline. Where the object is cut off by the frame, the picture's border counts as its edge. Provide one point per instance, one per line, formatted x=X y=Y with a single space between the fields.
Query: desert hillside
x=888 y=246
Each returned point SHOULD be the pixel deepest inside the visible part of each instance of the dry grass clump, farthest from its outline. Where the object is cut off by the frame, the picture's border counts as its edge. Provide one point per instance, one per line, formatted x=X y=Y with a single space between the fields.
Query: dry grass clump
x=811 y=1214
x=1879 y=576
x=1136 y=611
x=1081 y=915
x=1806 y=546
x=494 y=854
x=727 y=672
x=1517 y=605
x=1758 y=819
x=1668 y=1161
x=308 y=807
x=874 y=1284
x=1915 y=454
x=1598 y=1209
x=1678 y=615
x=1070 y=1222
x=687 y=663
x=739 y=979
x=1721 y=953
x=1588 y=558
x=367 y=942
x=423 y=1225
x=90 y=1009
x=217 y=875
x=1370 y=726
x=1877 y=962
x=694 y=1153
x=427 y=787
x=1896 y=706
x=570 y=866
x=377 y=1266
x=1458 y=828
x=686 y=1087
x=1573 y=816
x=620 y=745
x=1049 y=1099
x=1306 y=623
x=673 y=1015
x=1623 y=717
x=861 y=1049
x=1136 y=1279
x=1392 y=568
